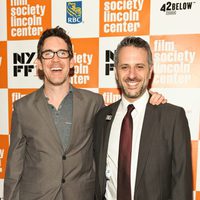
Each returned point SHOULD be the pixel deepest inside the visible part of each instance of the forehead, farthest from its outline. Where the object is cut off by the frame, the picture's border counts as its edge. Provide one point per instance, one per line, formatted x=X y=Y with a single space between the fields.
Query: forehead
x=54 y=42
x=133 y=53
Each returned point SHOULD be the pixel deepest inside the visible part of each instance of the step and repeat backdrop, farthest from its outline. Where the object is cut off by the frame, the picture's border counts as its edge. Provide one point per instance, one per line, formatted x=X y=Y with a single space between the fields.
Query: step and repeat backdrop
x=96 y=27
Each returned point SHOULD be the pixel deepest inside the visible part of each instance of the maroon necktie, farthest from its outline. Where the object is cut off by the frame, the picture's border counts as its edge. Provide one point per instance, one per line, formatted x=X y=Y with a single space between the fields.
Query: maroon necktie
x=124 y=159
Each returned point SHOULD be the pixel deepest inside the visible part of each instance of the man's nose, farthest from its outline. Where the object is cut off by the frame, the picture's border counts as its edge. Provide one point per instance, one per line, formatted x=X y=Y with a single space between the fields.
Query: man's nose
x=55 y=58
x=132 y=72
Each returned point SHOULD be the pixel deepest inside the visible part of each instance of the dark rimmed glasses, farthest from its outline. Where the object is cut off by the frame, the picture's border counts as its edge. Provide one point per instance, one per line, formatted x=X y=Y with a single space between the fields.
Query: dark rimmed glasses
x=49 y=54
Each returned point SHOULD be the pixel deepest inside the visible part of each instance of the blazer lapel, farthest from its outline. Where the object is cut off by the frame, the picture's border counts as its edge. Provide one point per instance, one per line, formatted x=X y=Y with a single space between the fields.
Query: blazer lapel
x=42 y=106
x=108 y=123
x=105 y=134
x=77 y=102
x=147 y=135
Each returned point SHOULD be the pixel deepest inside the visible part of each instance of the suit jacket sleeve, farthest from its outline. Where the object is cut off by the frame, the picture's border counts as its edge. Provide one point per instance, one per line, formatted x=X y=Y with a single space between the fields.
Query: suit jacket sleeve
x=181 y=161
x=15 y=159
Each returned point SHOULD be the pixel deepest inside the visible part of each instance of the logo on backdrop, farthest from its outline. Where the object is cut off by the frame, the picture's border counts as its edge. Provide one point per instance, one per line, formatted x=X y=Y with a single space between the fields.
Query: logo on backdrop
x=1 y=157
x=74 y=12
x=86 y=63
x=28 y=18
x=110 y=95
x=22 y=63
x=82 y=64
x=16 y=96
x=124 y=17
x=3 y=154
x=171 y=8
x=176 y=60
x=109 y=62
x=3 y=64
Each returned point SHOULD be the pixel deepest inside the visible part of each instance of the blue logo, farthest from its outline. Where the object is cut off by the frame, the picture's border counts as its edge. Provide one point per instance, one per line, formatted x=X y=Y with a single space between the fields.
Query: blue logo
x=74 y=12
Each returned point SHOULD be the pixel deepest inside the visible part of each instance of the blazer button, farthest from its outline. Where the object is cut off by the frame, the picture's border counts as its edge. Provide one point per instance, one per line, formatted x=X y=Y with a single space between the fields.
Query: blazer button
x=63 y=180
x=64 y=157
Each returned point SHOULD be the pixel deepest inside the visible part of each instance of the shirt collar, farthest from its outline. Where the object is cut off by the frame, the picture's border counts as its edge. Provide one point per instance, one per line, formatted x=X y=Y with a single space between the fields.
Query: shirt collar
x=139 y=104
x=71 y=90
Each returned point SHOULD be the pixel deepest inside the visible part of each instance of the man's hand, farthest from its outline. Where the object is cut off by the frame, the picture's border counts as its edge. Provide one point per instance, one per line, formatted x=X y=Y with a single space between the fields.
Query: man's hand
x=156 y=98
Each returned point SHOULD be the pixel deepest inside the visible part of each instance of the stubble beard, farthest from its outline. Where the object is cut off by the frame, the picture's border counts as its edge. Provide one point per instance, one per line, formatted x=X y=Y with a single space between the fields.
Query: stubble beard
x=57 y=82
x=136 y=94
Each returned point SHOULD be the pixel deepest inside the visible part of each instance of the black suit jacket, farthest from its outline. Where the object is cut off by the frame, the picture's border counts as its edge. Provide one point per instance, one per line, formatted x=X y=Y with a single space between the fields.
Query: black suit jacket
x=164 y=169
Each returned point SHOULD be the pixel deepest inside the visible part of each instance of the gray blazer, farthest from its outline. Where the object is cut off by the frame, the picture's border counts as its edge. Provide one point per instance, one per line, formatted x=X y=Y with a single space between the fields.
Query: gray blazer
x=38 y=168
x=164 y=169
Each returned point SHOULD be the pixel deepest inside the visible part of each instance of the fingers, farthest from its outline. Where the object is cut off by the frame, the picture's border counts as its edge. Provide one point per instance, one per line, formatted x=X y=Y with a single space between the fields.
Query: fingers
x=157 y=99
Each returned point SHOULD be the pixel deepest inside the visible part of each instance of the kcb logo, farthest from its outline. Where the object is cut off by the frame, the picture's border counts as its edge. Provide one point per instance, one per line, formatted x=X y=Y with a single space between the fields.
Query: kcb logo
x=74 y=12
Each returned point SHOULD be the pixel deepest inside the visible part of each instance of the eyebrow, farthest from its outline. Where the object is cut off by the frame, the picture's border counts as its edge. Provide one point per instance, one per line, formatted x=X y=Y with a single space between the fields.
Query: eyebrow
x=55 y=51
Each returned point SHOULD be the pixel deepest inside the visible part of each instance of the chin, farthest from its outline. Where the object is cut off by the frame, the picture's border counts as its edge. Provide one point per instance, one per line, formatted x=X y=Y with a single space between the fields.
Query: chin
x=57 y=83
x=133 y=95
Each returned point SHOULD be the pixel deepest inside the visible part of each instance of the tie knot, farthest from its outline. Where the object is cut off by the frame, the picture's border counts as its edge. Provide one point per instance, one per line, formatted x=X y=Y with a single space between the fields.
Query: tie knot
x=130 y=108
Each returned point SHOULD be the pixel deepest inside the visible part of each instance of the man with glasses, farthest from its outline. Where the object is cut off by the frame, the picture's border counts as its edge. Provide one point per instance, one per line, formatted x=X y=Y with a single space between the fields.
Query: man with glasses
x=51 y=152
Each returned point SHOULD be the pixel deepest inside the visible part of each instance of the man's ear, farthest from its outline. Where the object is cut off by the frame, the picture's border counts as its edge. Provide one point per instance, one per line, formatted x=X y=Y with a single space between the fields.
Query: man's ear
x=151 y=72
x=71 y=65
x=39 y=68
x=115 y=71
x=38 y=64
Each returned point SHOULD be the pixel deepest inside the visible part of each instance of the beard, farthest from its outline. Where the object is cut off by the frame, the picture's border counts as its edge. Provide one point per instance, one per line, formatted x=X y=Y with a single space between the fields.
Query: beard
x=56 y=82
x=136 y=94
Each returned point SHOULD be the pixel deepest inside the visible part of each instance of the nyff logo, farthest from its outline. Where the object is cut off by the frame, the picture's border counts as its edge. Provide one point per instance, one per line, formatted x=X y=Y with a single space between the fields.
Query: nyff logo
x=22 y=63
x=74 y=12
x=170 y=8
x=109 y=60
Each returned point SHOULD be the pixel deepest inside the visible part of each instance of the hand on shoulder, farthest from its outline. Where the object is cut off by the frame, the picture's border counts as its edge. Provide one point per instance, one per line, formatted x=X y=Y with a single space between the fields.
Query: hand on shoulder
x=157 y=98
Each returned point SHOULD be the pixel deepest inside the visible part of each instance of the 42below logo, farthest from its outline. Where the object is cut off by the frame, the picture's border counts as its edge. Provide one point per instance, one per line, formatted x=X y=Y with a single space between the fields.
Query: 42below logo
x=170 y=8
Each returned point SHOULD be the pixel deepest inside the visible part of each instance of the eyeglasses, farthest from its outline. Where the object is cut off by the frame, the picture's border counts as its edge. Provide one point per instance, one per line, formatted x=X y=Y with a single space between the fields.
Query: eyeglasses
x=49 y=54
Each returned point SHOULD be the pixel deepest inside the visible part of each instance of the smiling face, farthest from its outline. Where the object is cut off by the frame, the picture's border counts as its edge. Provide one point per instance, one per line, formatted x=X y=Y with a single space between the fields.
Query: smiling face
x=56 y=70
x=133 y=72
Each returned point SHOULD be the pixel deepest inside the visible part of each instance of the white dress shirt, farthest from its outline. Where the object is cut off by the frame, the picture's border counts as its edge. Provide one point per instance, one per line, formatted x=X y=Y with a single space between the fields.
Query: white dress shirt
x=113 y=146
